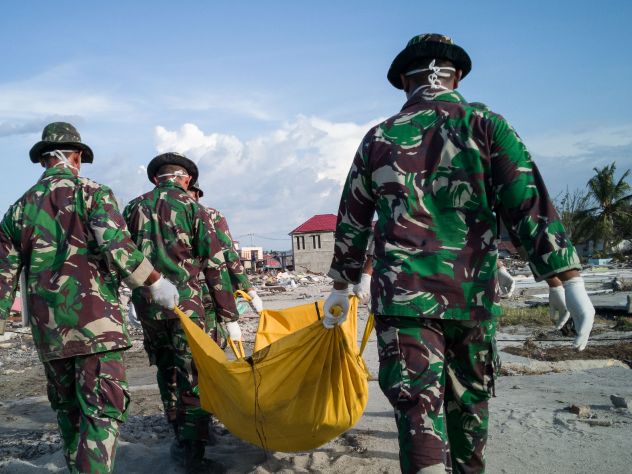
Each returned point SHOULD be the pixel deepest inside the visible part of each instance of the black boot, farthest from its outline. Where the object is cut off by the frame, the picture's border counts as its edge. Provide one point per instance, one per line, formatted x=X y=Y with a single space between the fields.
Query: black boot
x=195 y=462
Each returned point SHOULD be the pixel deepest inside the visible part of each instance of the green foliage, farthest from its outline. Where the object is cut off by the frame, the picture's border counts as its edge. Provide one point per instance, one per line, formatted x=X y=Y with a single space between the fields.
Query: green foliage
x=572 y=208
x=612 y=218
x=603 y=213
x=526 y=316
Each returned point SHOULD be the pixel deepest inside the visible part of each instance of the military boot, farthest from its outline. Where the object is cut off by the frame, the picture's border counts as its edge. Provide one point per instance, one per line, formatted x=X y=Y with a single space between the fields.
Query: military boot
x=196 y=463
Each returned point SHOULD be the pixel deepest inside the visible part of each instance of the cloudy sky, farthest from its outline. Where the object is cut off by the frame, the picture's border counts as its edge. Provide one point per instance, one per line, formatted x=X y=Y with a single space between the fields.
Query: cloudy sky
x=272 y=98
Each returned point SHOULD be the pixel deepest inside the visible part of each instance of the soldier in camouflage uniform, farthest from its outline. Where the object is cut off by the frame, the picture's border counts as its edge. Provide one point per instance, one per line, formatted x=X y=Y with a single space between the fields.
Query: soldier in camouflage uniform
x=175 y=234
x=238 y=277
x=67 y=235
x=436 y=174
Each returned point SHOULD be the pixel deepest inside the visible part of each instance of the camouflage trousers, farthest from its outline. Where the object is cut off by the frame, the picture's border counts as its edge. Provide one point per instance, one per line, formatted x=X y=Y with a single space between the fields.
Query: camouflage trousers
x=167 y=348
x=439 y=376
x=90 y=395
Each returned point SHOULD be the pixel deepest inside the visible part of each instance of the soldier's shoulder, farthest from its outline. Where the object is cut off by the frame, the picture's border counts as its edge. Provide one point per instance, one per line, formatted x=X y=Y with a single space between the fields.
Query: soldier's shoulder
x=483 y=110
x=138 y=200
x=214 y=213
x=92 y=186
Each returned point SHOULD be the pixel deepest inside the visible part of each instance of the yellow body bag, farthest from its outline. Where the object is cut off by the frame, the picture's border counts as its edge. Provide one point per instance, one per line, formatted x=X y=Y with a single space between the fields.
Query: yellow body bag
x=304 y=385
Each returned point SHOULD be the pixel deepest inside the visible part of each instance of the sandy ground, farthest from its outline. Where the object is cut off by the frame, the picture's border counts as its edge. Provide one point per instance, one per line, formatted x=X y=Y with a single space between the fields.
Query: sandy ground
x=531 y=428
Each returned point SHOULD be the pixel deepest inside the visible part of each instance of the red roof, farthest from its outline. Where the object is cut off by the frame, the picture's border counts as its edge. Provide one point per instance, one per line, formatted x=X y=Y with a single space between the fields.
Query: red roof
x=318 y=223
x=270 y=261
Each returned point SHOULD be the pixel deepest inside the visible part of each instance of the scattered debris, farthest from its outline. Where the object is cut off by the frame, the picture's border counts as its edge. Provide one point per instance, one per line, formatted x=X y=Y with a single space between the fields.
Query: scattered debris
x=619 y=402
x=597 y=422
x=582 y=411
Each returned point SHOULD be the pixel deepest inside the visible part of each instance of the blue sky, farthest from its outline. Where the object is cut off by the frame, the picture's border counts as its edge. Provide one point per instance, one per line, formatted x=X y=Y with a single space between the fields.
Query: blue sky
x=272 y=98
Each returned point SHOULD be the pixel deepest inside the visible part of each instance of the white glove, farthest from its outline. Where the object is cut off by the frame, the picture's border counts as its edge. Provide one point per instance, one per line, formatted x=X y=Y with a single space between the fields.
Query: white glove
x=164 y=293
x=581 y=309
x=363 y=289
x=234 y=331
x=256 y=302
x=506 y=282
x=337 y=298
x=557 y=306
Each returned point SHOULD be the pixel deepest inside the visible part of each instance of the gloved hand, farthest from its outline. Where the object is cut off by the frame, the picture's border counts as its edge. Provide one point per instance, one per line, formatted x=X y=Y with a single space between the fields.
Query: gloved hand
x=3 y=325
x=337 y=298
x=363 y=289
x=557 y=306
x=256 y=302
x=164 y=293
x=234 y=331
x=581 y=309
x=506 y=282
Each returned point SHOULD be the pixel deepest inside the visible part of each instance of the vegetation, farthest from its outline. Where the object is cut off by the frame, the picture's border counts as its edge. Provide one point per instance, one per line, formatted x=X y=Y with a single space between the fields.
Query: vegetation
x=610 y=221
x=526 y=316
x=572 y=208
x=602 y=214
x=623 y=324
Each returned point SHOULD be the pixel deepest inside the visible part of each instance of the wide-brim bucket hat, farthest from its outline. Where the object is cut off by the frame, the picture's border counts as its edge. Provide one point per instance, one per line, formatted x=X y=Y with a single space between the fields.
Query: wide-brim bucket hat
x=428 y=45
x=58 y=136
x=171 y=158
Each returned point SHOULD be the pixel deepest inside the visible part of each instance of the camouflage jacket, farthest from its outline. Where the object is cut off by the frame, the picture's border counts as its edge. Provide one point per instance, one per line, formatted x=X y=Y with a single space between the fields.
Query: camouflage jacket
x=176 y=234
x=436 y=174
x=67 y=235
x=238 y=276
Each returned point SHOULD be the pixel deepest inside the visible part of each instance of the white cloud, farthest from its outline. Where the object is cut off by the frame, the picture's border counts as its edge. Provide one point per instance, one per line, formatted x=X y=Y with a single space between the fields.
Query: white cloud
x=579 y=142
x=272 y=183
x=567 y=158
x=243 y=104
x=59 y=91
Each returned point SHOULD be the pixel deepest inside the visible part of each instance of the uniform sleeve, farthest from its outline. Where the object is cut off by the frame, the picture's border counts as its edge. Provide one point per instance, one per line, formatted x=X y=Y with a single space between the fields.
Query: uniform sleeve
x=238 y=276
x=525 y=207
x=208 y=246
x=353 y=225
x=10 y=262
x=114 y=240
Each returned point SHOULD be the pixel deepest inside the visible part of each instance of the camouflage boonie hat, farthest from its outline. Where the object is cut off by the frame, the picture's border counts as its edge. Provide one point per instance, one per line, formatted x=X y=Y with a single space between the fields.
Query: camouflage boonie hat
x=171 y=158
x=196 y=187
x=428 y=45
x=57 y=136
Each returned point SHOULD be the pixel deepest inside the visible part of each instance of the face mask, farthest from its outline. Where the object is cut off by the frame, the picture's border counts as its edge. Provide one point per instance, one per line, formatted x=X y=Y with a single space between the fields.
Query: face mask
x=174 y=175
x=64 y=161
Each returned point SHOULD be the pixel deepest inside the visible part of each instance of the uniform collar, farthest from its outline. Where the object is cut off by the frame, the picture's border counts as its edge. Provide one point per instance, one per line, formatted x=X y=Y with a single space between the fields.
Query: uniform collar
x=58 y=171
x=170 y=184
x=443 y=96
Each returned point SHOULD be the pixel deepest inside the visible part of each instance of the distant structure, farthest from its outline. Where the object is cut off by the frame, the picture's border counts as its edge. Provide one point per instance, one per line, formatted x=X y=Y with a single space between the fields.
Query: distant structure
x=313 y=243
x=251 y=258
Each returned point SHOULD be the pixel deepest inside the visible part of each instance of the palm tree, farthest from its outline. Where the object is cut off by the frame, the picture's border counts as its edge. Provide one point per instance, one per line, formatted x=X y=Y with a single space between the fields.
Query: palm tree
x=609 y=221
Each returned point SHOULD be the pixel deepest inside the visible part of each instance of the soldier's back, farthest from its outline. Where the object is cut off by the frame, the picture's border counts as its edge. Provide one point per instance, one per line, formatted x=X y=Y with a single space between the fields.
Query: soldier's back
x=72 y=291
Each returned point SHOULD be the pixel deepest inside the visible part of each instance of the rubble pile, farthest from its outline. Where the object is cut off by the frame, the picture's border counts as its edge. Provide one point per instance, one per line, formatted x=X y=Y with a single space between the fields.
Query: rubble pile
x=18 y=349
x=288 y=281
